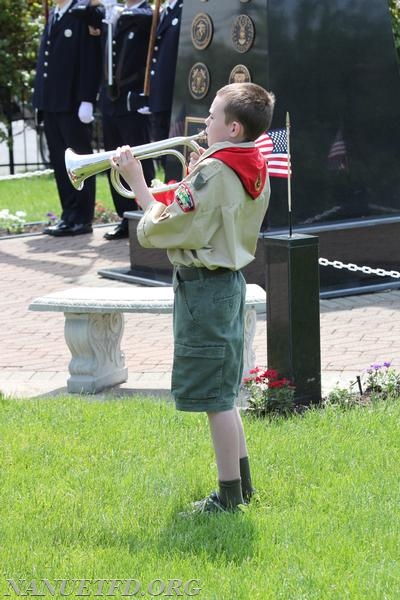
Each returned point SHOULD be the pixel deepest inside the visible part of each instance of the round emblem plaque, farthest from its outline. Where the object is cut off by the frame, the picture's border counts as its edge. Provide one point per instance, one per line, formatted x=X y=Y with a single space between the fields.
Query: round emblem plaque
x=199 y=80
x=243 y=33
x=202 y=31
x=239 y=74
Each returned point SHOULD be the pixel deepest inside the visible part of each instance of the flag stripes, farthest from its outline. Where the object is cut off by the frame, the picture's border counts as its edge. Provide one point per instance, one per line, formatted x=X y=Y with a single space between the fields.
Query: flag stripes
x=273 y=146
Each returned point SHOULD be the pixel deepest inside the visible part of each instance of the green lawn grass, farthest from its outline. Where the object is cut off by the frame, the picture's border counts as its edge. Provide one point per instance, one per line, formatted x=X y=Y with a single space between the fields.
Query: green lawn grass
x=37 y=196
x=92 y=490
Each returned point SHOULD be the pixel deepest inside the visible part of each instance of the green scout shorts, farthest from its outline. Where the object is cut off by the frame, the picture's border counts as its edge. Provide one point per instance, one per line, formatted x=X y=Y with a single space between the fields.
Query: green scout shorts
x=208 y=326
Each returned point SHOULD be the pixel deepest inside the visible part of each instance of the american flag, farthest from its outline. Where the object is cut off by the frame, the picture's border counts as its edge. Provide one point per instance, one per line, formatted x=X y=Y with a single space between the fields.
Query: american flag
x=273 y=145
x=337 y=157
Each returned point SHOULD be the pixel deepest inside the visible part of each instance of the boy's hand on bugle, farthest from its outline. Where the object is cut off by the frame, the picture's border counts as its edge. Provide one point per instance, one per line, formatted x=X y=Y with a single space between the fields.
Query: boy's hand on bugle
x=130 y=168
x=194 y=157
x=127 y=164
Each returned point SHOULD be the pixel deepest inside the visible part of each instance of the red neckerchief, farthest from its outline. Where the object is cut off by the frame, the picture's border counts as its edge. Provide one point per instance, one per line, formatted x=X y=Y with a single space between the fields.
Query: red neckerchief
x=249 y=165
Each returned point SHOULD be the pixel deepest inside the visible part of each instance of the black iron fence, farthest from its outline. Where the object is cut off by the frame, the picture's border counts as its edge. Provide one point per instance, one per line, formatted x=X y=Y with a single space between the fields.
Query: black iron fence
x=24 y=147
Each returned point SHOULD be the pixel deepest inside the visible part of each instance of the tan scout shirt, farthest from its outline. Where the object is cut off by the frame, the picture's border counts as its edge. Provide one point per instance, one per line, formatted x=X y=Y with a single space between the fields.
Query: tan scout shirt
x=219 y=225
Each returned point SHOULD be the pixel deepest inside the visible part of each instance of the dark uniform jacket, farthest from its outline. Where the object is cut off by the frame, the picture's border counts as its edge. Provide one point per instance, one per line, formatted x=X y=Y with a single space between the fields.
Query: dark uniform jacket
x=164 y=60
x=130 y=43
x=69 y=64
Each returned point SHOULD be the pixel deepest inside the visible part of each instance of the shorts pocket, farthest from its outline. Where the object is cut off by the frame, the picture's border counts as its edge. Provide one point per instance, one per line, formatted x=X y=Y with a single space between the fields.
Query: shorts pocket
x=226 y=307
x=218 y=298
x=197 y=371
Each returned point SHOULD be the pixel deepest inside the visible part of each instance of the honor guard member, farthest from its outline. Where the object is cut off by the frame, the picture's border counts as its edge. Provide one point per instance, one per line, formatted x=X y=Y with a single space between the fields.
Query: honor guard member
x=163 y=69
x=210 y=232
x=67 y=80
x=119 y=102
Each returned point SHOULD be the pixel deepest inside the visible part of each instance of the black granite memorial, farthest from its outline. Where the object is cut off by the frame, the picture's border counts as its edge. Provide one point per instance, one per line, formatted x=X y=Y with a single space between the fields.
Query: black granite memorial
x=332 y=65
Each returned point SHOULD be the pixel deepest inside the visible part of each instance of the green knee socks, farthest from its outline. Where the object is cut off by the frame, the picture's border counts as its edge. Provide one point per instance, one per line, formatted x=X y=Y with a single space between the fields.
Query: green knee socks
x=237 y=491
x=230 y=493
x=247 y=487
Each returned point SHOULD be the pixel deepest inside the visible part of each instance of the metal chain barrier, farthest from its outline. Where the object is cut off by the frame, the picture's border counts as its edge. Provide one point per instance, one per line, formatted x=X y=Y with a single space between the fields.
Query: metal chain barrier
x=337 y=264
x=324 y=262
x=27 y=174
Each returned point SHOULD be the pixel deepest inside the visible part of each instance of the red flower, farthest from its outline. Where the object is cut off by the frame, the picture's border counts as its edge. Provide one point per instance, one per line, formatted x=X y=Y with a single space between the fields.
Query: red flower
x=278 y=383
x=255 y=370
x=270 y=374
x=269 y=377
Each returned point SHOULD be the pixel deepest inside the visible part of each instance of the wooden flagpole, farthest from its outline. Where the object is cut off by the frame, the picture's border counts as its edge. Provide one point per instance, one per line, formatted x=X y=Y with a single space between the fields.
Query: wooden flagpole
x=289 y=179
x=152 y=41
x=45 y=5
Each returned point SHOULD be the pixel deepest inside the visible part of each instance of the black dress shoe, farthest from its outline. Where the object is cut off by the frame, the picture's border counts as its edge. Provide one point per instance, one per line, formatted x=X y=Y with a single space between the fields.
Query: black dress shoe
x=60 y=225
x=118 y=233
x=72 y=230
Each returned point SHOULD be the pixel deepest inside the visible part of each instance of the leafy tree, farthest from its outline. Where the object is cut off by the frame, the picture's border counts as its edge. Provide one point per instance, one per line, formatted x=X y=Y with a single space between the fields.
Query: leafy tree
x=394 y=6
x=21 y=22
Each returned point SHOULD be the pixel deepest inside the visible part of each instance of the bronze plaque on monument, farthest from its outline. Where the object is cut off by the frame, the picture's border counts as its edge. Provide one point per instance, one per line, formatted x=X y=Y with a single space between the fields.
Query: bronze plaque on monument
x=202 y=31
x=199 y=80
x=243 y=33
x=239 y=74
x=194 y=125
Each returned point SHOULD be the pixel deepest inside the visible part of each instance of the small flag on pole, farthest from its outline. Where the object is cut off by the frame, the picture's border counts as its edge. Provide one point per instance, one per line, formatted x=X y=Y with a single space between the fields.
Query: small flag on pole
x=274 y=147
x=289 y=179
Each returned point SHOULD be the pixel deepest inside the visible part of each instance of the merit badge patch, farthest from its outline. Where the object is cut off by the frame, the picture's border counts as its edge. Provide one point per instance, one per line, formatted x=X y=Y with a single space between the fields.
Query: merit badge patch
x=184 y=198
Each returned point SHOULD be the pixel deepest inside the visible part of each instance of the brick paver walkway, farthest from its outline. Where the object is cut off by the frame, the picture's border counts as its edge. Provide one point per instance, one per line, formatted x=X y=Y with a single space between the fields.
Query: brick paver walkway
x=355 y=331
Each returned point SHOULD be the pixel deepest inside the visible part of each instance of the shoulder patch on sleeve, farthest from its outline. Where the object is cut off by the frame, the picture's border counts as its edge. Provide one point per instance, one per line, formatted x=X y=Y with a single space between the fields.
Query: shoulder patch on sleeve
x=184 y=198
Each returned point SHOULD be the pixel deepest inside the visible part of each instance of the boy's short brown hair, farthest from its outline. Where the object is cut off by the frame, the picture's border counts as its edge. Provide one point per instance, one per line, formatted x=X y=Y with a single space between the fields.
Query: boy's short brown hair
x=251 y=105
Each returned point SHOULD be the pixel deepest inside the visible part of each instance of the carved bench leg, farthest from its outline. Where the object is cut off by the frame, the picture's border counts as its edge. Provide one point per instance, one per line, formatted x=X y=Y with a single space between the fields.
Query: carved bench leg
x=94 y=340
x=249 y=357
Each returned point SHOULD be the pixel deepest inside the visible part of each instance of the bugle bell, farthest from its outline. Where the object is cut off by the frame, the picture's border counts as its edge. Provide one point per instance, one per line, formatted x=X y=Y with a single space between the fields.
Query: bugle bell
x=81 y=166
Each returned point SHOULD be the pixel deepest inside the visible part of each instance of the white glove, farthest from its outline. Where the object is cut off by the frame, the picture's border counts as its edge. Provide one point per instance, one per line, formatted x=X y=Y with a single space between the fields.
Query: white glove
x=112 y=12
x=85 y=112
x=145 y=110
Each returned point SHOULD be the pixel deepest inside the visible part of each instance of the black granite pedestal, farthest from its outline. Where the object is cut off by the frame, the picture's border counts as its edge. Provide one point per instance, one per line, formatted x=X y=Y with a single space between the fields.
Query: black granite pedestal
x=293 y=324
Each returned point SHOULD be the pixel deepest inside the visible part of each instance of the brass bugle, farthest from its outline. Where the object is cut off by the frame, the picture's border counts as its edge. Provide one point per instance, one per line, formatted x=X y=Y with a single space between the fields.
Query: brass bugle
x=81 y=166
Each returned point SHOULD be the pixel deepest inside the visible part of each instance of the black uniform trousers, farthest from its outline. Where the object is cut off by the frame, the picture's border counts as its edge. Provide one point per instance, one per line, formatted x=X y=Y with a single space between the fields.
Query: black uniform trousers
x=160 y=122
x=65 y=130
x=132 y=129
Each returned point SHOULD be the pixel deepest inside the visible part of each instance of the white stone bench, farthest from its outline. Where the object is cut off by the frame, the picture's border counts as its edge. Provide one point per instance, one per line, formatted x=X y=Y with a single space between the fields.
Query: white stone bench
x=94 y=323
